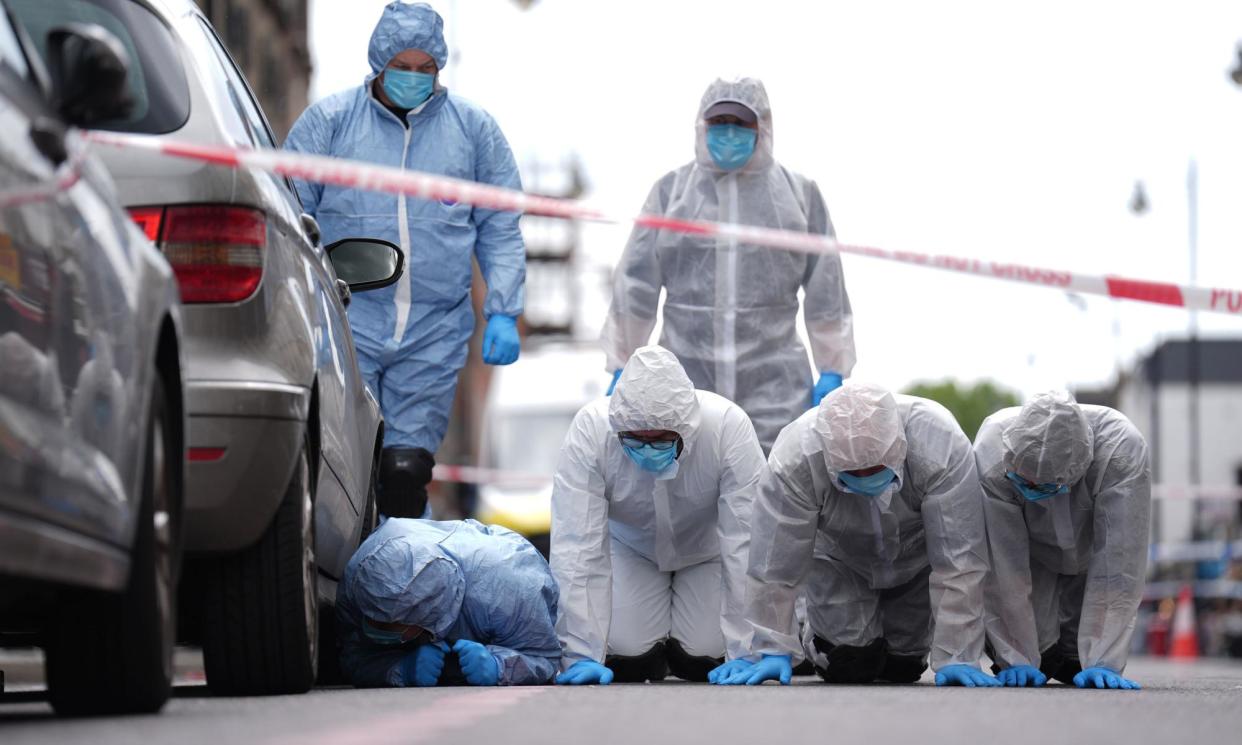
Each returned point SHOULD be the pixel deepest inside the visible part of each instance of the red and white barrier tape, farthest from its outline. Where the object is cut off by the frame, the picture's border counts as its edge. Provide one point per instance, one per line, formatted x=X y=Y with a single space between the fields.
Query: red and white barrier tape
x=340 y=172
x=477 y=475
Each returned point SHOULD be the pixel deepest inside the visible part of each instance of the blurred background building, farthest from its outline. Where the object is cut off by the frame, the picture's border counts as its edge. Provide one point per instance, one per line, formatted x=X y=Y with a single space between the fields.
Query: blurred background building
x=268 y=40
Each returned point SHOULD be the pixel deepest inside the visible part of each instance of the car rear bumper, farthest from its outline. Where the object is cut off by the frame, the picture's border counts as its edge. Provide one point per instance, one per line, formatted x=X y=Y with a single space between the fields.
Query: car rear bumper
x=243 y=442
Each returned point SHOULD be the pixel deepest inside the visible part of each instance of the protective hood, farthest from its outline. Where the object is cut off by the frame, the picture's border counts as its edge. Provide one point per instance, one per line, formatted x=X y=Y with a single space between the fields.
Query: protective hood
x=408 y=580
x=750 y=93
x=654 y=392
x=860 y=427
x=1049 y=441
x=407 y=26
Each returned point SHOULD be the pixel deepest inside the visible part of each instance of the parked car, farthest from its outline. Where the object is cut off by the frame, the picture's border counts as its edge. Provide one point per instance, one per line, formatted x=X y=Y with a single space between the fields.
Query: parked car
x=91 y=407
x=530 y=407
x=284 y=436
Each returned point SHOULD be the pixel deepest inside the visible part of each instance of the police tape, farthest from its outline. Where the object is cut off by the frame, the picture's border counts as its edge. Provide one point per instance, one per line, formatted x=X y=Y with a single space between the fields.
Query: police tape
x=369 y=176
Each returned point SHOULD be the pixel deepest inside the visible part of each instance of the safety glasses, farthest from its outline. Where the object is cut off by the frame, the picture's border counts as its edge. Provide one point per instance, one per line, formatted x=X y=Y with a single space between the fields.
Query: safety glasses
x=631 y=440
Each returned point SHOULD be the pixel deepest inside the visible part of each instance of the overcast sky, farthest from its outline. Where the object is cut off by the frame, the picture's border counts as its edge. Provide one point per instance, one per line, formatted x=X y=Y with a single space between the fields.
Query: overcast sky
x=993 y=130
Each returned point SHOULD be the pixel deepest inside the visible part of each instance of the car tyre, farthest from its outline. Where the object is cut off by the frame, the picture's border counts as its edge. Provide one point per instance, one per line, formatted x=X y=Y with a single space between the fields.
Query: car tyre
x=113 y=653
x=261 y=630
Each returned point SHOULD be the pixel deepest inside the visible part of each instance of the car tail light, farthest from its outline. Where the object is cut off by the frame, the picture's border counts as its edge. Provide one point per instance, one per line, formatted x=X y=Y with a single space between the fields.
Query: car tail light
x=216 y=251
x=149 y=219
x=204 y=455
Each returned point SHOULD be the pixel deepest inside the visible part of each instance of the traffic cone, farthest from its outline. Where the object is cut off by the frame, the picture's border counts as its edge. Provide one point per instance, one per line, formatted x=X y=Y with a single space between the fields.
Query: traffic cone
x=1185 y=644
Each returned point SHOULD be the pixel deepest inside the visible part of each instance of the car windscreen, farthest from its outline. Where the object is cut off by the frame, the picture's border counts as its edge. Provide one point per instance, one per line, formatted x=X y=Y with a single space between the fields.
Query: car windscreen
x=528 y=441
x=157 y=81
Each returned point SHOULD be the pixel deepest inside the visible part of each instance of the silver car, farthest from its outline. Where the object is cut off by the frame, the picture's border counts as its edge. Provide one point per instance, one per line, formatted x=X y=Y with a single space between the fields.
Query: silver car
x=91 y=422
x=283 y=434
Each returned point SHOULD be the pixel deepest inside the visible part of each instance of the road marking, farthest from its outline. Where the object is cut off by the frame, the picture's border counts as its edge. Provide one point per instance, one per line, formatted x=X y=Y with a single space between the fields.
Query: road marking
x=424 y=724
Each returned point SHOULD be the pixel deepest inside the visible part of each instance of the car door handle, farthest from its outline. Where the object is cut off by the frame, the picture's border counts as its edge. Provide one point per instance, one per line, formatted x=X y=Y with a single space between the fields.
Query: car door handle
x=342 y=289
x=311 y=226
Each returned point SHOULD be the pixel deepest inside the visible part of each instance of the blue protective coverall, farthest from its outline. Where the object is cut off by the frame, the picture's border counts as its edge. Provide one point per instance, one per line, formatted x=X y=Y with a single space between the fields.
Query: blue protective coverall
x=459 y=580
x=412 y=337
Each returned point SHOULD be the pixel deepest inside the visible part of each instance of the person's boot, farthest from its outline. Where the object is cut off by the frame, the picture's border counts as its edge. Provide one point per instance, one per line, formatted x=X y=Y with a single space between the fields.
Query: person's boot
x=404 y=475
x=686 y=666
x=903 y=668
x=650 y=665
x=849 y=664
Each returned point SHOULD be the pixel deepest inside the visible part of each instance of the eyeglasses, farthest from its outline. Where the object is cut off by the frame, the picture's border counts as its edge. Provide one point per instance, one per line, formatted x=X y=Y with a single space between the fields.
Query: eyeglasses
x=660 y=442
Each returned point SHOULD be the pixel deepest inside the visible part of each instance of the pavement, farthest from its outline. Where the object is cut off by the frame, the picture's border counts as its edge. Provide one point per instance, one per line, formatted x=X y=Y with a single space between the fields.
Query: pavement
x=1180 y=702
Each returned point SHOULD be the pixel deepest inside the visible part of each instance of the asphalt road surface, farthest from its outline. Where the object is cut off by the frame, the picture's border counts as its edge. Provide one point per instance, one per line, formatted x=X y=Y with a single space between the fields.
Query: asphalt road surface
x=1180 y=703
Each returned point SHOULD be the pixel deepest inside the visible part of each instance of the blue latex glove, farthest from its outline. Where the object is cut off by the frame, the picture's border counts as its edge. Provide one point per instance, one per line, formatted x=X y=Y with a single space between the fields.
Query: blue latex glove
x=615 y=377
x=828 y=382
x=501 y=344
x=964 y=675
x=1102 y=677
x=477 y=663
x=771 y=667
x=423 y=666
x=585 y=672
x=723 y=672
x=1021 y=676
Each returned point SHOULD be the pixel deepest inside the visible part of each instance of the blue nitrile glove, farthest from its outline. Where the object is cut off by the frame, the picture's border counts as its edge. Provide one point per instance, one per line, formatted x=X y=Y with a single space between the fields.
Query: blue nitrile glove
x=724 y=671
x=501 y=344
x=771 y=667
x=585 y=672
x=477 y=663
x=964 y=675
x=828 y=382
x=423 y=666
x=1102 y=677
x=615 y=377
x=1021 y=676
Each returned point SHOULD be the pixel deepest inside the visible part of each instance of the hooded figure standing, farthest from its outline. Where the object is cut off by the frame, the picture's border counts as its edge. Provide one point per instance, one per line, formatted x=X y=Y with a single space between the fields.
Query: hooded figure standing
x=420 y=595
x=650 y=528
x=1068 y=502
x=412 y=337
x=730 y=311
x=878 y=517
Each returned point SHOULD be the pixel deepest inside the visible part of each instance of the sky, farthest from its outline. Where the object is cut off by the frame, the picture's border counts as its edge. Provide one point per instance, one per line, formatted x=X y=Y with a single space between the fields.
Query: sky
x=1007 y=131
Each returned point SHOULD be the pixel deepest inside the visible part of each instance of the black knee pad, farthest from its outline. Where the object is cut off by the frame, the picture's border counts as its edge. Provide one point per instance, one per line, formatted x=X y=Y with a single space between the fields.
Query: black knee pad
x=686 y=666
x=650 y=665
x=903 y=668
x=403 y=478
x=848 y=664
x=1058 y=665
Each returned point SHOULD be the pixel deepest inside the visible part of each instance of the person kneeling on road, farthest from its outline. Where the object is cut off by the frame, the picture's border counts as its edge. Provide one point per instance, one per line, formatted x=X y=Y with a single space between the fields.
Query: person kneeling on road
x=427 y=603
x=650 y=526
x=877 y=506
x=1067 y=495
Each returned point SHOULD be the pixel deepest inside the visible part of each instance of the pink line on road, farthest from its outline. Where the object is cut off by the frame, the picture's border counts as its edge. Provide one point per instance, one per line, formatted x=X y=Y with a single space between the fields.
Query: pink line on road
x=427 y=723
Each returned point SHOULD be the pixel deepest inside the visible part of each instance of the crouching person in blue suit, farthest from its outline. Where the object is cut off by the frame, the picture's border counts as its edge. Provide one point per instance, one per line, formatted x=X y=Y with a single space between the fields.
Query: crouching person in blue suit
x=427 y=603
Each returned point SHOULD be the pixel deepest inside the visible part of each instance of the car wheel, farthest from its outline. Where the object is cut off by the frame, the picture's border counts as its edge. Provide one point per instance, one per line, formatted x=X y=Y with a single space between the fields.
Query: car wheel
x=261 y=634
x=330 y=672
x=113 y=653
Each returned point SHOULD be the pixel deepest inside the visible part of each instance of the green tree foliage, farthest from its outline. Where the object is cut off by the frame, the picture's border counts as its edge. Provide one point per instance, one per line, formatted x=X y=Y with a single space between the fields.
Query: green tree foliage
x=970 y=404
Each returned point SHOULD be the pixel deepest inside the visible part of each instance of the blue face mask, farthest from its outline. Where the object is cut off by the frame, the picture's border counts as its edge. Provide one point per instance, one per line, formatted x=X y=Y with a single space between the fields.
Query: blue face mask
x=1035 y=492
x=872 y=486
x=406 y=88
x=730 y=145
x=652 y=458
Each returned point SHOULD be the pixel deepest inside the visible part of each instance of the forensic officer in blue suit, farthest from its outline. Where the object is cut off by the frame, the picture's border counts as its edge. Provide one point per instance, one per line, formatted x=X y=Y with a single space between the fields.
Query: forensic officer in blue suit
x=427 y=603
x=413 y=337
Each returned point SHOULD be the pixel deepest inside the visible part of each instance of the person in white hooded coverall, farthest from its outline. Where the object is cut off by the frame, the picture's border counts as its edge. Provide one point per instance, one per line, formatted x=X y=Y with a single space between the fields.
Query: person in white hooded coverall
x=731 y=308
x=878 y=507
x=1068 y=502
x=651 y=561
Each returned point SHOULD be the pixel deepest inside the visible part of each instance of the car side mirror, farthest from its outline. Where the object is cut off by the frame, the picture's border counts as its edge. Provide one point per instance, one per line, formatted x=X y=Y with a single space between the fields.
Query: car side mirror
x=366 y=263
x=89 y=69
